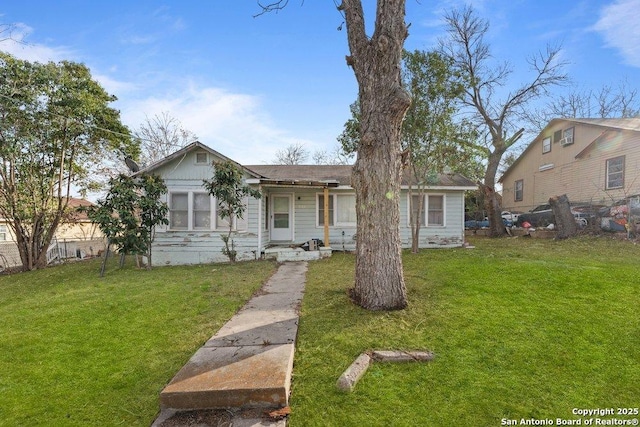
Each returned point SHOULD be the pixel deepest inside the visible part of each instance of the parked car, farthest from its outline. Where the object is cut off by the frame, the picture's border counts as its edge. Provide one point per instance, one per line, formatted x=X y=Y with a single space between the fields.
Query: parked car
x=510 y=216
x=540 y=216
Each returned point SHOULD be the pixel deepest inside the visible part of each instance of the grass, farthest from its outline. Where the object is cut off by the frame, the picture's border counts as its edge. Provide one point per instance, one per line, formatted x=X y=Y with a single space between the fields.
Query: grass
x=78 y=350
x=521 y=328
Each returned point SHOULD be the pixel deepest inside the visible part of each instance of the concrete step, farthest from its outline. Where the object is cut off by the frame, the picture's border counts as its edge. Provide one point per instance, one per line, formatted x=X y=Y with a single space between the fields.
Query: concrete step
x=248 y=362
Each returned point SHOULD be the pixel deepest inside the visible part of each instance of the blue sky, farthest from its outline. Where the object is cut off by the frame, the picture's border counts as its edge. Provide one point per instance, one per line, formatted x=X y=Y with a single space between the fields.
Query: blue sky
x=249 y=86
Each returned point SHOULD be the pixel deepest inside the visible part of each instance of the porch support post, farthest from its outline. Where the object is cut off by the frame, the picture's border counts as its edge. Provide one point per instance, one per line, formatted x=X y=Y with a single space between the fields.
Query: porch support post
x=326 y=216
x=260 y=200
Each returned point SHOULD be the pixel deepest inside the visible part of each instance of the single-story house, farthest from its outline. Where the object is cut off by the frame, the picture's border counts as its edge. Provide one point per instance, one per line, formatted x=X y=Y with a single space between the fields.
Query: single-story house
x=290 y=212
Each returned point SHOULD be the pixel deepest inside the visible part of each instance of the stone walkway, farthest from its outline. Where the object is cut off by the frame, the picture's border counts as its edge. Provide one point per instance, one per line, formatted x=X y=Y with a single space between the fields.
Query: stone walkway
x=245 y=369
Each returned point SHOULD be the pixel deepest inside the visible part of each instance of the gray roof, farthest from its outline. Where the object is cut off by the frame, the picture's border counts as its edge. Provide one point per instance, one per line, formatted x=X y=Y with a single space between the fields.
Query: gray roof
x=342 y=175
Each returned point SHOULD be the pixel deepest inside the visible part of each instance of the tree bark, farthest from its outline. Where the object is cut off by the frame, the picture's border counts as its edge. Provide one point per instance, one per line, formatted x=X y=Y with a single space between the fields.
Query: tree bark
x=379 y=281
x=565 y=222
x=491 y=201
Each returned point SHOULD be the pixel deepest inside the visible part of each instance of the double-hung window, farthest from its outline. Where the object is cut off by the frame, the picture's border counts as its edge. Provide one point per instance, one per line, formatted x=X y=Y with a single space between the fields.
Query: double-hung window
x=432 y=209
x=341 y=211
x=518 y=191
x=197 y=210
x=3 y=233
x=615 y=173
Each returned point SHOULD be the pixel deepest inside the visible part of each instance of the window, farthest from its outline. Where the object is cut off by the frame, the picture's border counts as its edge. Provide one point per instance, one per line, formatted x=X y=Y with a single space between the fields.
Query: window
x=546 y=145
x=3 y=233
x=568 y=133
x=321 y=210
x=196 y=210
x=201 y=158
x=432 y=210
x=179 y=211
x=557 y=136
x=518 y=190
x=567 y=137
x=346 y=209
x=342 y=210
x=201 y=211
x=615 y=173
x=435 y=210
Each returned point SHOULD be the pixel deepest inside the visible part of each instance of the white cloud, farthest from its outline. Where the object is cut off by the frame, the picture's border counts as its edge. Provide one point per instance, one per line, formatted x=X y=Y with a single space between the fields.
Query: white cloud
x=618 y=25
x=113 y=86
x=231 y=123
x=19 y=47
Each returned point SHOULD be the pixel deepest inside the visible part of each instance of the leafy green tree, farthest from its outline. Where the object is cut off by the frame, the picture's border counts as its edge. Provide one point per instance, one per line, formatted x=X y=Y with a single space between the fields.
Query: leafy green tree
x=434 y=142
x=55 y=126
x=129 y=213
x=432 y=139
x=227 y=187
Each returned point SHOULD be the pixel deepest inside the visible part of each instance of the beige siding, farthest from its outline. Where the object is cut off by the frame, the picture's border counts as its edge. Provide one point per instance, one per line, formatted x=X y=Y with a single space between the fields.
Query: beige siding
x=582 y=178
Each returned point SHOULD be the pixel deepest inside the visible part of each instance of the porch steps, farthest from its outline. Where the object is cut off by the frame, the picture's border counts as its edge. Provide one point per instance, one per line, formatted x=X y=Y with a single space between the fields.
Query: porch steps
x=248 y=362
x=285 y=254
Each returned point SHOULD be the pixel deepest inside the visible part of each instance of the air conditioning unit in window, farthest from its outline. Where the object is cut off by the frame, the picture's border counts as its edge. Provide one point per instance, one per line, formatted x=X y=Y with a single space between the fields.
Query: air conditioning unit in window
x=567 y=140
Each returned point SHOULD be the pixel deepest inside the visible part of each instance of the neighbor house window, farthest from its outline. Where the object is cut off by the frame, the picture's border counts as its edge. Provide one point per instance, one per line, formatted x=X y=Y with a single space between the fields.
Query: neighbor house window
x=518 y=190
x=196 y=210
x=567 y=136
x=432 y=209
x=342 y=210
x=546 y=145
x=615 y=173
x=3 y=233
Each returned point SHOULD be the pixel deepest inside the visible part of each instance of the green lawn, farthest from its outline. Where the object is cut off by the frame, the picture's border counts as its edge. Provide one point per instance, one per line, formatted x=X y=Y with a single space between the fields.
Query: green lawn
x=521 y=328
x=80 y=350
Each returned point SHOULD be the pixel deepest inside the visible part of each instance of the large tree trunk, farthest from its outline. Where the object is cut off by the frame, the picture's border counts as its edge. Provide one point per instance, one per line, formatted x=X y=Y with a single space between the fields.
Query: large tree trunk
x=379 y=281
x=491 y=200
x=565 y=221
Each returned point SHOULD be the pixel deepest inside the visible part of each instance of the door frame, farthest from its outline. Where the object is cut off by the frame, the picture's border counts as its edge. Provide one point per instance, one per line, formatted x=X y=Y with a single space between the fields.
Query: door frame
x=272 y=228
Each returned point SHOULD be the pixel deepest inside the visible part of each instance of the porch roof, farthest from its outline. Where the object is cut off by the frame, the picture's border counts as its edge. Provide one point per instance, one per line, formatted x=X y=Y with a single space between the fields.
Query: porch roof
x=309 y=175
x=340 y=175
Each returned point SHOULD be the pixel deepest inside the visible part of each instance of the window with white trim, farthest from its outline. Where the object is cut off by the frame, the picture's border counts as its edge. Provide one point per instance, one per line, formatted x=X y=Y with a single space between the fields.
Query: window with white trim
x=615 y=173
x=342 y=210
x=197 y=210
x=546 y=145
x=433 y=209
x=3 y=233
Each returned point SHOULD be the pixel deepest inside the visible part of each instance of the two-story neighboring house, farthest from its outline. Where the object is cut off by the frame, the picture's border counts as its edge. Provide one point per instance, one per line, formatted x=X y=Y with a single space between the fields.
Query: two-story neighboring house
x=592 y=161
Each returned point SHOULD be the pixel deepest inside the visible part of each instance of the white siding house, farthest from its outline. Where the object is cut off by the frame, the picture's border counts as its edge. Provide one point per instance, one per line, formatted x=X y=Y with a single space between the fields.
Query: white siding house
x=290 y=212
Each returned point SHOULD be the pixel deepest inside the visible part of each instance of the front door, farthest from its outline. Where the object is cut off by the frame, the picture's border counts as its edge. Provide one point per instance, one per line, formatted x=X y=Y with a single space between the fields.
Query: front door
x=281 y=227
